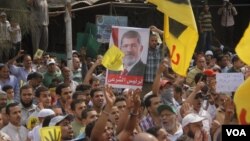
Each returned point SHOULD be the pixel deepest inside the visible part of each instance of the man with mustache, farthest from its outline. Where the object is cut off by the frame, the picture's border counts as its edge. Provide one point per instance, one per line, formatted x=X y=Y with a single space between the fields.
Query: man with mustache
x=66 y=128
x=132 y=48
x=14 y=129
x=97 y=98
x=26 y=103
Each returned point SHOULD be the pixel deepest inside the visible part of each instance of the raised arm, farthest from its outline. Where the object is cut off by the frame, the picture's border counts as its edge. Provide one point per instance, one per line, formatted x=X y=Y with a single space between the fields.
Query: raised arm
x=124 y=116
x=99 y=127
x=126 y=134
x=156 y=84
x=91 y=70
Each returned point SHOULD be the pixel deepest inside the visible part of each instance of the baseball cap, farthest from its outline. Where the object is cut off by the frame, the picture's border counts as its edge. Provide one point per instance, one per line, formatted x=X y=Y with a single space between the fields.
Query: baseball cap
x=209 y=72
x=191 y=118
x=51 y=61
x=3 y=14
x=164 y=82
x=58 y=119
x=2 y=93
x=45 y=112
x=209 y=52
x=166 y=107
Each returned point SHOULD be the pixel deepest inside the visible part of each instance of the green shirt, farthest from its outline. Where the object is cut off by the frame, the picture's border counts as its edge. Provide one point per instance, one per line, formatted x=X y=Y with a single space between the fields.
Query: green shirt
x=76 y=128
x=48 y=77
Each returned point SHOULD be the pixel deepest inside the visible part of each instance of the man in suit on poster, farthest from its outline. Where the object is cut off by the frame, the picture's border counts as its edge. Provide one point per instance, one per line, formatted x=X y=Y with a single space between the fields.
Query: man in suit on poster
x=132 y=48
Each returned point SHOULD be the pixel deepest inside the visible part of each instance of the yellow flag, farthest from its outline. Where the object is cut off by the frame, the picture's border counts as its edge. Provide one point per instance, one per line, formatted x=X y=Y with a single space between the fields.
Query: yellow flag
x=51 y=133
x=180 y=32
x=241 y=100
x=112 y=59
x=32 y=122
x=243 y=47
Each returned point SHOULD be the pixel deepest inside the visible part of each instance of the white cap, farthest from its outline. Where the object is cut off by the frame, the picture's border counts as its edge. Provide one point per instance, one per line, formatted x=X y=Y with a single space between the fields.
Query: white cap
x=226 y=0
x=3 y=14
x=191 y=118
x=209 y=52
x=51 y=61
x=57 y=119
x=45 y=113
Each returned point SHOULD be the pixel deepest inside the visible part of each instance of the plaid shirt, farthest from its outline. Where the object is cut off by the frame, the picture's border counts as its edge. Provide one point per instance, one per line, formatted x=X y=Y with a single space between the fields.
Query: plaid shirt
x=146 y=123
x=153 y=61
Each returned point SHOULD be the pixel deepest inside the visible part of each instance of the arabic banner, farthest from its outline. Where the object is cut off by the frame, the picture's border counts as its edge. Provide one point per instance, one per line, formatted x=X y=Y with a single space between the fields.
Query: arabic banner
x=133 y=42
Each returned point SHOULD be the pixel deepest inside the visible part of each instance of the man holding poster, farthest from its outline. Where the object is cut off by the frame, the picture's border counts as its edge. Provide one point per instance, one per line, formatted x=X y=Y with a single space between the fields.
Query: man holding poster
x=133 y=43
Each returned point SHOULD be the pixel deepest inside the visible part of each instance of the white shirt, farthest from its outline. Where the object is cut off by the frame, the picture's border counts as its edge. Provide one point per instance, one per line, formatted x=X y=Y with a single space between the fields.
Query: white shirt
x=34 y=134
x=176 y=135
x=26 y=112
x=15 y=34
x=16 y=133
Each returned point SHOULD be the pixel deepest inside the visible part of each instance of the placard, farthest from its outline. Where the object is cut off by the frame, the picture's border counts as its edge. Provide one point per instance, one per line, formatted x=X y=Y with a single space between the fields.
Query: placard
x=228 y=82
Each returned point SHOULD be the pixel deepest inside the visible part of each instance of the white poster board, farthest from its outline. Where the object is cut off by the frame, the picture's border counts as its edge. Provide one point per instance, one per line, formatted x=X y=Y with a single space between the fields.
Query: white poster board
x=228 y=82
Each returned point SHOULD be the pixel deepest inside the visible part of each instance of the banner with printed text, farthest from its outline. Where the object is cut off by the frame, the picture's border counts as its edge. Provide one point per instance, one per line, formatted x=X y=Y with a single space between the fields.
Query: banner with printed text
x=133 y=42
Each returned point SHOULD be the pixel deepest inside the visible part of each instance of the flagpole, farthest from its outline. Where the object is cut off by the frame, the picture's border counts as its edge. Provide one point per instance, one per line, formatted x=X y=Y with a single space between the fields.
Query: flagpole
x=68 y=26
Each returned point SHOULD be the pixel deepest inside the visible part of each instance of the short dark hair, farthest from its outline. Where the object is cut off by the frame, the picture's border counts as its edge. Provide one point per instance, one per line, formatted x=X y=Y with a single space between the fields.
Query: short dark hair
x=92 y=92
x=74 y=102
x=60 y=87
x=83 y=87
x=89 y=128
x=235 y=59
x=147 y=101
x=153 y=130
x=85 y=112
x=24 y=87
x=199 y=76
x=131 y=34
x=6 y=88
x=119 y=98
x=39 y=90
x=34 y=75
x=10 y=106
x=178 y=89
x=76 y=94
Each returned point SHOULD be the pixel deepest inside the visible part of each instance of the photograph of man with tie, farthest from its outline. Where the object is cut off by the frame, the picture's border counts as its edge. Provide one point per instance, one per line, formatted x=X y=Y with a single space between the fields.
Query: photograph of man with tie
x=132 y=48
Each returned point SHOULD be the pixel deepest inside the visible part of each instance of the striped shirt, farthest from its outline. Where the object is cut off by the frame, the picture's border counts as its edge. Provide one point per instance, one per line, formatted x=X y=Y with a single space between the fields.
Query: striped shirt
x=205 y=20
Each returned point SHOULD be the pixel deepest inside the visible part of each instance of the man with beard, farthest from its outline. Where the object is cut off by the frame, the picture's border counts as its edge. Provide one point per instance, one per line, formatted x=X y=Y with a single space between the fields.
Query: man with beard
x=66 y=128
x=132 y=48
x=26 y=105
x=97 y=98
x=169 y=121
x=192 y=128
x=64 y=93
x=77 y=106
x=14 y=129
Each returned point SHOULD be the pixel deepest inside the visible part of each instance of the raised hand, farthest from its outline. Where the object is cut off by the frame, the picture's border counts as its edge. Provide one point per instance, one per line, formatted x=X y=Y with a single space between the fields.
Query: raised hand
x=129 y=100
x=136 y=98
x=186 y=108
x=109 y=95
x=164 y=65
x=201 y=135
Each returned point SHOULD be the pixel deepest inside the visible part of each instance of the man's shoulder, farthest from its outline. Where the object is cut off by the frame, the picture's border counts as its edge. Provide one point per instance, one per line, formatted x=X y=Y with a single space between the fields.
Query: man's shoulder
x=139 y=63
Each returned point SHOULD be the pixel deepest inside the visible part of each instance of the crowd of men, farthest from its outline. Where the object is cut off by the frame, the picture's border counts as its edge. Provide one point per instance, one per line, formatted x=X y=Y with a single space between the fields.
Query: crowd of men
x=43 y=92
